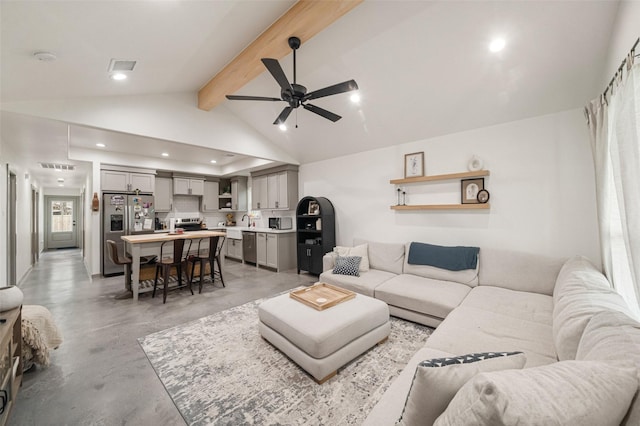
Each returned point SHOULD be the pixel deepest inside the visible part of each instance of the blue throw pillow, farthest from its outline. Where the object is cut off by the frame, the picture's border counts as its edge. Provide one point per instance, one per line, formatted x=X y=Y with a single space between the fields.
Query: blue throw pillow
x=347 y=265
x=451 y=258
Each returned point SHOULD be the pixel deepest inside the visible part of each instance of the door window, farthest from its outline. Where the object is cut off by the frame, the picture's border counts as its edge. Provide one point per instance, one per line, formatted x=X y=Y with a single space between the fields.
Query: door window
x=61 y=216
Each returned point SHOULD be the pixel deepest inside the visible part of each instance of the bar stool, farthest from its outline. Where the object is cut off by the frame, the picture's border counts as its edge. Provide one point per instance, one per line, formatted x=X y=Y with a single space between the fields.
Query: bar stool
x=112 y=250
x=212 y=255
x=166 y=264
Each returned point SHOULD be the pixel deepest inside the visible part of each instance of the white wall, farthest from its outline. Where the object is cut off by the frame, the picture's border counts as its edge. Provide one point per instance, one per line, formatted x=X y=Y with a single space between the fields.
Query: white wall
x=3 y=215
x=541 y=185
x=626 y=32
x=93 y=224
x=24 y=183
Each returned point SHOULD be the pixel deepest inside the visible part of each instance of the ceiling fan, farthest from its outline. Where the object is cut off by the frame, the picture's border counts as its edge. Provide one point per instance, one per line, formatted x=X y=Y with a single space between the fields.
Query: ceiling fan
x=295 y=94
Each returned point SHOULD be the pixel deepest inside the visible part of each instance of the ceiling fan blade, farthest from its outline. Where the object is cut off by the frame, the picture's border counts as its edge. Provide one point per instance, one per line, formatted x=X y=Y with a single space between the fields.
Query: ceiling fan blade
x=251 y=98
x=276 y=71
x=283 y=115
x=323 y=112
x=345 y=86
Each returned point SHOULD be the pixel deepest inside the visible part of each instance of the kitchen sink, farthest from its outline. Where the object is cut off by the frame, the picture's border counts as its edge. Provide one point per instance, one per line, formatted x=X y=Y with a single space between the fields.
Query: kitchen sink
x=235 y=234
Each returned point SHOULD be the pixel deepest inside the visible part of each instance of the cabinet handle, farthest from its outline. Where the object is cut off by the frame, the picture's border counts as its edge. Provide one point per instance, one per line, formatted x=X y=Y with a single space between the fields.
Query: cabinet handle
x=258 y=204
x=277 y=205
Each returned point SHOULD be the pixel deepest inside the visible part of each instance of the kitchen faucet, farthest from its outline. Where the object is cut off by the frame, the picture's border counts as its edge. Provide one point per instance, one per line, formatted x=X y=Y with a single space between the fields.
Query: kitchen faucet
x=243 y=216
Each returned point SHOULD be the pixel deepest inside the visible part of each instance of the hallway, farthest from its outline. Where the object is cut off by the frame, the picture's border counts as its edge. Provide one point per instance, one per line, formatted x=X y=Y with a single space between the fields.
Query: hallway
x=100 y=375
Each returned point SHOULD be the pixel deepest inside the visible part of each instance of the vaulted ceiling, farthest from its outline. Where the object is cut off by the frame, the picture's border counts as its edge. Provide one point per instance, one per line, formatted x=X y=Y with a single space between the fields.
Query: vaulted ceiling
x=423 y=68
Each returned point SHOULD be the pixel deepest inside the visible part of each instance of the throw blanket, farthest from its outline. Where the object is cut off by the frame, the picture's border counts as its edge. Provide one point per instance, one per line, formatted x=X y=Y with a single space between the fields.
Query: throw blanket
x=39 y=334
x=451 y=258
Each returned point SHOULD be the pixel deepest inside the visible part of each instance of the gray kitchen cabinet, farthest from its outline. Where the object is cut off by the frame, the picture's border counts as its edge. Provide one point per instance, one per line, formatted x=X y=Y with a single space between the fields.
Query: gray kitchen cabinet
x=261 y=248
x=282 y=189
x=121 y=181
x=188 y=186
x=259 y=196
x=163 y=195
x=234 y=248
x=210 y=197
x=276 y=190
x=239 y=193
x=276 y=250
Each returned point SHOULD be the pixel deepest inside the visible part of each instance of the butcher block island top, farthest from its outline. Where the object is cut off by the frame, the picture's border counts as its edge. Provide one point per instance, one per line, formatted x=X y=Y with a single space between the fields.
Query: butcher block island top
x=159 y=238
x=149 y=244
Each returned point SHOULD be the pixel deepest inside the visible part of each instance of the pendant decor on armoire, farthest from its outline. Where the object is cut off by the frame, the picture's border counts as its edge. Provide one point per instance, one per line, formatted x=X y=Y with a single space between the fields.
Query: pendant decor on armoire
x=316 y=232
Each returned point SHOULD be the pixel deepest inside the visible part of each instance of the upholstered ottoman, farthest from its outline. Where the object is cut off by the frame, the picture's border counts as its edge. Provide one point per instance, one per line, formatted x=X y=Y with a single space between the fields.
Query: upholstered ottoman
x=322 y=341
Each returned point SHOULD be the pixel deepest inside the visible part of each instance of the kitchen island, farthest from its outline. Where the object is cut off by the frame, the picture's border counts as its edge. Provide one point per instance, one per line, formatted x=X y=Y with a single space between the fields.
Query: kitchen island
x=149 y=244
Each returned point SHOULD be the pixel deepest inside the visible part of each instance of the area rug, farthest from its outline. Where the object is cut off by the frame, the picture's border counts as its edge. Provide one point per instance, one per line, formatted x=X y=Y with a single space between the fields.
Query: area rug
x=219 y=371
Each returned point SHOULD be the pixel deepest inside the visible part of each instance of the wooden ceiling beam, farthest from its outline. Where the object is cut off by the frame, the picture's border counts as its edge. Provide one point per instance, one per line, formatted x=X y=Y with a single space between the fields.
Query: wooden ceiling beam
x=304 y=20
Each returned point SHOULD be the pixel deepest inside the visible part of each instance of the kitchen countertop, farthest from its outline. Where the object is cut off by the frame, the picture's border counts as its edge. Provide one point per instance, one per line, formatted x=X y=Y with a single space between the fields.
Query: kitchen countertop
x=239 y=228
x=161 y=237
x=255 y=229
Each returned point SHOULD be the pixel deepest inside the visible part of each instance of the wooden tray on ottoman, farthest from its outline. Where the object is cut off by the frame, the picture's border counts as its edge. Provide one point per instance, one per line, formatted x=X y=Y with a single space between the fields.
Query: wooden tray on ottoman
x=322 y=296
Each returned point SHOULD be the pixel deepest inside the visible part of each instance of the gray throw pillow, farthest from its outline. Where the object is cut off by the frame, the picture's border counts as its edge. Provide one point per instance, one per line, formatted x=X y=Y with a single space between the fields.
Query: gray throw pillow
x=585 y=393
x=436 y=382
x=347 y=265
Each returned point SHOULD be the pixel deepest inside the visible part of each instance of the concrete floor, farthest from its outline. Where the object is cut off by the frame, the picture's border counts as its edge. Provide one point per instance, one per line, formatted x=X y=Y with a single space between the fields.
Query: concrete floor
x=100 y=375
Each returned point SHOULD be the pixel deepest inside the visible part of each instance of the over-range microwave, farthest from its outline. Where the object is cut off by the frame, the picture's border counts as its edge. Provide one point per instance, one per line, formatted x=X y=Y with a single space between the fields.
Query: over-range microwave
x=280 y=223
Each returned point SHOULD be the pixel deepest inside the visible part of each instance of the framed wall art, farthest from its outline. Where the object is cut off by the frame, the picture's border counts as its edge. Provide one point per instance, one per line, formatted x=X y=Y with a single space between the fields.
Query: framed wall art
x=314 y=208
x=469 y=189
x=414 y=164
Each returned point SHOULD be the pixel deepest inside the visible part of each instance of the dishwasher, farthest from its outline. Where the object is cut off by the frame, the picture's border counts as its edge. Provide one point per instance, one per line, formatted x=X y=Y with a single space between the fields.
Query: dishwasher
x=249 y=250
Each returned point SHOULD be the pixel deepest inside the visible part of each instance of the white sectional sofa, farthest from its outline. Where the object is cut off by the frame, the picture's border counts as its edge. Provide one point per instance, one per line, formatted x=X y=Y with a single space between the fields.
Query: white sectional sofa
x=561 y=314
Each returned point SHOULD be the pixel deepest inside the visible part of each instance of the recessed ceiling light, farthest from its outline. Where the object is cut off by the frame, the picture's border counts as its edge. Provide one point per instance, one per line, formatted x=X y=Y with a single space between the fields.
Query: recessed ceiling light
x=58 y=170
x=165 y=154
x=283 y=127
x=60 y=184
x=118 y=76
x=100 y=145
x=60 y=180
x=355 y=98
x=213 y=161
x=497 y=44
x=45 y=56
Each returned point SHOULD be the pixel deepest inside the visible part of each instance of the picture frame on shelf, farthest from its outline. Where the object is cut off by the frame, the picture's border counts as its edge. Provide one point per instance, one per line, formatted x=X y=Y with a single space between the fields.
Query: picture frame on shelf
x=414 y=165
x=469 y=189
x=314 y=209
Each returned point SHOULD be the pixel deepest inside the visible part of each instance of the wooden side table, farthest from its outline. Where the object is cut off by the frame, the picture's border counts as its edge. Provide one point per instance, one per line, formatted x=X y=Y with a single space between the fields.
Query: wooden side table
x=10 y=360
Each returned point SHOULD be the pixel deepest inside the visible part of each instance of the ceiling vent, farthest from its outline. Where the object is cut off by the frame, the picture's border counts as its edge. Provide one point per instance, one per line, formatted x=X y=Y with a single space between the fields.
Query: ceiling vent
x=121 y=65
x=54 y=166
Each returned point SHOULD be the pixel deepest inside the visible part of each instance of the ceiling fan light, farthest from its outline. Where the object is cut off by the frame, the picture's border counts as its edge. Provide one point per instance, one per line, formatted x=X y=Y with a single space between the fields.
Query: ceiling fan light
x=355 y=98
x=283 y=127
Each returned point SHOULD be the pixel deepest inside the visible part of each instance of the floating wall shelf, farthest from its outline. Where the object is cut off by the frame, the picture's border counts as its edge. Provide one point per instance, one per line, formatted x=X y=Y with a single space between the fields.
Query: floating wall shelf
x=435 y=178
x=463 y=175
x=443 y=207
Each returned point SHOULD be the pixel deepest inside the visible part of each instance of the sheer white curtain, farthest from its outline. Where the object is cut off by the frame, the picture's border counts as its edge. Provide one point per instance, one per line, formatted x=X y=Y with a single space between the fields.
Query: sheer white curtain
x=614 y=123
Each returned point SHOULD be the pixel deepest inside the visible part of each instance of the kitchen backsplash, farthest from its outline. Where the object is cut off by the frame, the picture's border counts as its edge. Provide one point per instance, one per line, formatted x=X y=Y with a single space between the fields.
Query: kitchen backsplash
x=187 y=206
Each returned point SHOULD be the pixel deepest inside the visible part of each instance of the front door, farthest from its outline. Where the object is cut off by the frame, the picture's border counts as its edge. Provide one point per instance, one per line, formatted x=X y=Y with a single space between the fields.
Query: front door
x=62 y=214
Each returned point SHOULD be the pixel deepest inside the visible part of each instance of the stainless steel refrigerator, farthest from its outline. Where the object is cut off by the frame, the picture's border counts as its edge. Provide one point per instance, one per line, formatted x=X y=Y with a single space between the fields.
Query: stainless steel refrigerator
x=124 y=214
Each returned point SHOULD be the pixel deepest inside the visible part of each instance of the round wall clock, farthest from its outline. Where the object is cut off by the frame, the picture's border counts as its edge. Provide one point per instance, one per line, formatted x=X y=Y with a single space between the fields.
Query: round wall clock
x=483 y=196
